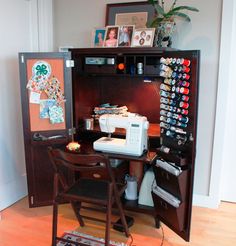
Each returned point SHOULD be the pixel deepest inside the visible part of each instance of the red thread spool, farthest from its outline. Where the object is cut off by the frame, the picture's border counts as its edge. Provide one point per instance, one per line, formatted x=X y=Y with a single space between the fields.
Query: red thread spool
x=186 y=76
x=186 y=69
x=185 y=98
x=186 y=62
x=184 y=105
x=185 y=83
x=184 y=111
x=184 y=90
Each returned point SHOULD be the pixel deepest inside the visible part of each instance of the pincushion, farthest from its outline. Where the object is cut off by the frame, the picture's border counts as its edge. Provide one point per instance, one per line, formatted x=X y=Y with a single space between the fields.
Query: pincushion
x=73 y=146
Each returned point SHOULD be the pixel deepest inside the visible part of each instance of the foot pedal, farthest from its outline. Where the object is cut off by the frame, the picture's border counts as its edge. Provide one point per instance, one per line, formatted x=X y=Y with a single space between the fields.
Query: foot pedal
x=118 y=226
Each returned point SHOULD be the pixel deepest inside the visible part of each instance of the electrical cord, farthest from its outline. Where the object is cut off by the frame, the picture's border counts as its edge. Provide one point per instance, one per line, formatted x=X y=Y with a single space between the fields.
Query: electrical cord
x=163 y=236
x=130 y=244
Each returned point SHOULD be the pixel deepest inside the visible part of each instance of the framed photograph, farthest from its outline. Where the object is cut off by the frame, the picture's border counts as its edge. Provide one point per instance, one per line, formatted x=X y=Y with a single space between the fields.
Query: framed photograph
x=111 y=36
x=138 y=19
x=98 y=36
x=125 y=35
x=133 y=13
x=143 y=37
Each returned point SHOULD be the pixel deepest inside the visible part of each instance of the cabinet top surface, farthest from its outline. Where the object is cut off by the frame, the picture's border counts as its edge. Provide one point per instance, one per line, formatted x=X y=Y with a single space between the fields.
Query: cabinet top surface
x=132 y=51
x=122 y=50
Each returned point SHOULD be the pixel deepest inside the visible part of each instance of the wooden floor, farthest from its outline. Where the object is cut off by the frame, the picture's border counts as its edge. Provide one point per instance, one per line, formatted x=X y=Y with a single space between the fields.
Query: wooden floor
x=32 y=227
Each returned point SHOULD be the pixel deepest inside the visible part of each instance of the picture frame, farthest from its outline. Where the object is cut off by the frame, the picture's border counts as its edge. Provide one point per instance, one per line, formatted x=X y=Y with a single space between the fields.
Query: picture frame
x=143 y=37
x=98 y=36
x=121 y=11
x=125 y=35
x=111 y=36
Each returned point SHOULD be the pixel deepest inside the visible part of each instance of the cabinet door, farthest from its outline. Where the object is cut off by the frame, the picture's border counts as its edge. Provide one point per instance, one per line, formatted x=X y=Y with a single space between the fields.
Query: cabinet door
x=46 y=111
x=174 y=171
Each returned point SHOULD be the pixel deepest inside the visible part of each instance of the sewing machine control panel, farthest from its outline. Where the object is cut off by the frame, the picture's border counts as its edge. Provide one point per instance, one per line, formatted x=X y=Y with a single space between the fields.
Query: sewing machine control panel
x=134 y=133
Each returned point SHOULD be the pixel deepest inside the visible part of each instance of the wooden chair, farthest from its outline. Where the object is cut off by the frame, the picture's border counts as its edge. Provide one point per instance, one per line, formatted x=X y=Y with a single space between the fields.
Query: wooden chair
x=95 y=185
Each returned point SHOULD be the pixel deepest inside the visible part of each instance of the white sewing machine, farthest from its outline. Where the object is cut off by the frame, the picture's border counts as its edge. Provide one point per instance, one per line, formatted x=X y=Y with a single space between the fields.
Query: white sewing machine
x=136 y=134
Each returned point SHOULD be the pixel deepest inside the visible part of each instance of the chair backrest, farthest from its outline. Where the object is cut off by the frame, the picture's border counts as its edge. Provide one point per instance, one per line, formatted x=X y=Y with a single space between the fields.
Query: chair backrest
x=94 y=166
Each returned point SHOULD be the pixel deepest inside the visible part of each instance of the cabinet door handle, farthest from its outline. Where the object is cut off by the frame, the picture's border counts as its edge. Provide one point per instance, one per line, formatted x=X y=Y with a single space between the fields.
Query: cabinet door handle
x=39 y=137
x=165 y=175
x=164 y=205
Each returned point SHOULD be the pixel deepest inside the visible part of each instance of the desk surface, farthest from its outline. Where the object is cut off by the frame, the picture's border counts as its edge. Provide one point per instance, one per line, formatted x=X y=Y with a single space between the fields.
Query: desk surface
x=87 y=147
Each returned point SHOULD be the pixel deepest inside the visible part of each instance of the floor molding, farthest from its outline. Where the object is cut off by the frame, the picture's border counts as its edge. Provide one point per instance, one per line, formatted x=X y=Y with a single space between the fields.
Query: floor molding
x=205 y=201
x=14 y=190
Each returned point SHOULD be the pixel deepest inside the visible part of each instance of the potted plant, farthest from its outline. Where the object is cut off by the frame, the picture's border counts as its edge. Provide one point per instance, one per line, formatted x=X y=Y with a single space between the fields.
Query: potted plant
x=164 y=20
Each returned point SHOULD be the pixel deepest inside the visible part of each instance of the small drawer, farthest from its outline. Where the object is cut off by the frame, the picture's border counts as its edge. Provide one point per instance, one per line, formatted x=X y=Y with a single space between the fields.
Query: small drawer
x=100 y=69
x=152 y=70
x=170 y=215
x=175 y=185
x=119 y=172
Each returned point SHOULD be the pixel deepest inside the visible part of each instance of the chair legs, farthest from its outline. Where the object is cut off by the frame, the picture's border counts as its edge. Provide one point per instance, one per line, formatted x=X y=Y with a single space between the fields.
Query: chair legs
x=76 y=207
x=54 y=223
x=108 y=215
x=122 y=216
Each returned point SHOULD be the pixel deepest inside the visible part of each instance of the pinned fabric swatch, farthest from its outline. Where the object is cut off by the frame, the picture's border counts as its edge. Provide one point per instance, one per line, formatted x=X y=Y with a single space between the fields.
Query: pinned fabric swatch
x=44 y=107
x=53 y=90
x=56 y=114
x=34 y=97
x=41 y=71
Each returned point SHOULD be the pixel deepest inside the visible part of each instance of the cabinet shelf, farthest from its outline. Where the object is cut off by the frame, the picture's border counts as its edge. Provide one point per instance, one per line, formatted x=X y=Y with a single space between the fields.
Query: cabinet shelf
x=153 y=131
x=154 y=76
x=133 y=205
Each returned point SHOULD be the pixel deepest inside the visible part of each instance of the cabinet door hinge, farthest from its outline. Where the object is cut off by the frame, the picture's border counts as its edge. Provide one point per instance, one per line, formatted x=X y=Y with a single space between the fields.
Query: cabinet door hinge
x=71 y=131
x=31 y=200
x=22 y=59
x=70 y=63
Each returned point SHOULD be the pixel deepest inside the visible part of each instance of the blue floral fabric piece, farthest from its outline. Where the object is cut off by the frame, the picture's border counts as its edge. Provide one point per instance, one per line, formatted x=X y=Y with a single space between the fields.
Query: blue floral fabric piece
x=56 y=114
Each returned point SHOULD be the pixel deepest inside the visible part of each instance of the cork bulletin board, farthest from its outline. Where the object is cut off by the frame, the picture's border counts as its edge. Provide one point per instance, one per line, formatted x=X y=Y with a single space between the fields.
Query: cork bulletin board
x=57 y=71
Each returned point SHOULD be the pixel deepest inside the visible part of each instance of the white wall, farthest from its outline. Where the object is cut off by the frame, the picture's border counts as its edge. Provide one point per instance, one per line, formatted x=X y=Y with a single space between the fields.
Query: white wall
x=203 y=33
x=75 y=19
x=226 y=116
x=15 y=37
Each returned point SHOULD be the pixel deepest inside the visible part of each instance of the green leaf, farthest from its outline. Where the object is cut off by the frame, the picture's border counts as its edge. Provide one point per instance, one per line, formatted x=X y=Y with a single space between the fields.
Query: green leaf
x=185 y=8
x=152 y=2
x=155 y=22
x=159 y=9
x=182 y=15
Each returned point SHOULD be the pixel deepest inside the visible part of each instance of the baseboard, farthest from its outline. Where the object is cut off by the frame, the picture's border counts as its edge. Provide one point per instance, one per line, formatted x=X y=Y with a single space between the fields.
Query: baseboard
x=205 y=201
x=12 y=192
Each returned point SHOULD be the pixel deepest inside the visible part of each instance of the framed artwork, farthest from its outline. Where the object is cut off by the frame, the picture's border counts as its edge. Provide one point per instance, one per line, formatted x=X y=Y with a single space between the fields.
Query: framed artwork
x=125 y=35
x=133 y=13
x=143 y=37
x=111 y=36
x=98 y=36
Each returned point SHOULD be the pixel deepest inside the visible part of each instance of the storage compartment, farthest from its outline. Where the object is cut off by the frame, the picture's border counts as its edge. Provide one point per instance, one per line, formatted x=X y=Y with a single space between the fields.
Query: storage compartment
x=99 y=65
x=152 y=66
x=174 y=217
x=174 y=184
x=173 y=156
x=130 y=65
x=100 y=69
